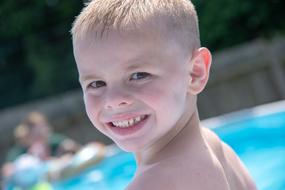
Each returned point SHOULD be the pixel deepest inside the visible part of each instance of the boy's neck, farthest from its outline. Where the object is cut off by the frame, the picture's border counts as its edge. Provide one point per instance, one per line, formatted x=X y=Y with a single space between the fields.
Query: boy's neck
x=174 y=143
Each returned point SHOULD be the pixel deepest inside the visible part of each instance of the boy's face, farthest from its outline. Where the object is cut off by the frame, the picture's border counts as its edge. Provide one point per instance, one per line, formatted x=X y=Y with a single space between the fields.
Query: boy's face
x=135 y=87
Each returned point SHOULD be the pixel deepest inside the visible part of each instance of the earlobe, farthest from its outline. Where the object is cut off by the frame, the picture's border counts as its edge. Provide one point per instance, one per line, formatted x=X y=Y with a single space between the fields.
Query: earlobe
x=199 y=70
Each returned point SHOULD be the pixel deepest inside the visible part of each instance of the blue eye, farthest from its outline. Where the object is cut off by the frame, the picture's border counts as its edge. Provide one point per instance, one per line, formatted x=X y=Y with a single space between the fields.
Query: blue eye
x=97 y=84
x=139 y=75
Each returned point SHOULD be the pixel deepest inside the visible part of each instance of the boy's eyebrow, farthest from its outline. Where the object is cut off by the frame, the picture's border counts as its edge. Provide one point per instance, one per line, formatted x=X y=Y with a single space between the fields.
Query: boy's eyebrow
x=85 y=78
x=129 y=65
x=136 y=63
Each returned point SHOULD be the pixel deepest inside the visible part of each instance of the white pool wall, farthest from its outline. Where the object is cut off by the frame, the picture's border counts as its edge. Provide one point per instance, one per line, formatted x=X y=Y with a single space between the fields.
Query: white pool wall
x=261 y=110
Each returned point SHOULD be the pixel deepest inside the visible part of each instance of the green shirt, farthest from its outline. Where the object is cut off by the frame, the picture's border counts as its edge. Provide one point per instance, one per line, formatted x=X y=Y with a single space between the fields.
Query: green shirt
x=54 y=143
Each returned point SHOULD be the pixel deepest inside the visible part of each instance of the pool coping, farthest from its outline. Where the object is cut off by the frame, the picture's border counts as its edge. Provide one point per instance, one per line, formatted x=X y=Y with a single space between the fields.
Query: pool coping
x=257 y=111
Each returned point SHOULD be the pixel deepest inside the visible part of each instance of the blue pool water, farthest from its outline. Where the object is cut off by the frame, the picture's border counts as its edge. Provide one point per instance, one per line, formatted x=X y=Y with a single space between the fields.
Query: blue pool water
x=114 y=172
x=259 y=141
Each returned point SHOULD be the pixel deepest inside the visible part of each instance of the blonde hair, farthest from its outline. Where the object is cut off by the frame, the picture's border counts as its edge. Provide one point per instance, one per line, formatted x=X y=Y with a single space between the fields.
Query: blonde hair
x=177 y=18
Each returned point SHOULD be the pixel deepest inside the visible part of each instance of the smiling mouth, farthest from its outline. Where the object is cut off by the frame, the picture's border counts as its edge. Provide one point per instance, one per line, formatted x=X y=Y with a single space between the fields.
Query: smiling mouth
x=128 y=123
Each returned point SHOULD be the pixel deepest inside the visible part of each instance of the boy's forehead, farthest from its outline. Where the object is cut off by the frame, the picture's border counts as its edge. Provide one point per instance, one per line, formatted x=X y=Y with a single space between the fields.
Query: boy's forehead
x=131 y=53
x=132 y=46
x=128 y=49
x=119 y=40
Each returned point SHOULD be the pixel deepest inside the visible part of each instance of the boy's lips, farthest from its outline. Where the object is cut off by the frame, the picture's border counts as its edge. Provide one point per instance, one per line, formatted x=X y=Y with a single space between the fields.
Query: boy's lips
x=129 y=122
x=127 y=125
x=122 y=117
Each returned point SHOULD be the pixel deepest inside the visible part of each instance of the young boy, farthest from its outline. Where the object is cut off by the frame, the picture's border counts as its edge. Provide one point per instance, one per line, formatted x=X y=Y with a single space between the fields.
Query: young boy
x=141 y=68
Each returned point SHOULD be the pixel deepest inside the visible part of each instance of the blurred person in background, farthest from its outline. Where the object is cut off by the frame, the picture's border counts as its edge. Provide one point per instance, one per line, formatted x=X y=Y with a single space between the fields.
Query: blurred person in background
x=34 y=137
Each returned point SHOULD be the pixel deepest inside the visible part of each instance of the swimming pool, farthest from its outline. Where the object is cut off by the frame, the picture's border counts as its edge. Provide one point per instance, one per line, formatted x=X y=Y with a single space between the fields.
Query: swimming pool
x=257 y=135
x=113 y=173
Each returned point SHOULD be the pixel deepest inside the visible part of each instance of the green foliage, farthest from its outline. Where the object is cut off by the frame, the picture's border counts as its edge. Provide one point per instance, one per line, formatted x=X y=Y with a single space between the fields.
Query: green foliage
x=36 y=53
x=224 y=23
x=35 y=49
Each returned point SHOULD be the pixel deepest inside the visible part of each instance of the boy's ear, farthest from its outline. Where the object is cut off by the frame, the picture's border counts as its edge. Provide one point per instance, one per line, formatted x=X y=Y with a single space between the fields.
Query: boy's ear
x=199 y=69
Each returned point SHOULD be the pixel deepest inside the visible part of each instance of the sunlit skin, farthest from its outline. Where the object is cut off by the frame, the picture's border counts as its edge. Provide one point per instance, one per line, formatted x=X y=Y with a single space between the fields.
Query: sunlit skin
x=146 y=79
x=126 y=75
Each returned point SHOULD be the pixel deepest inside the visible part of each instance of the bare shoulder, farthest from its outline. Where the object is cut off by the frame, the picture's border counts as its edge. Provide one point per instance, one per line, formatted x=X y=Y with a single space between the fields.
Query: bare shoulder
x=168 y=181
x=180 y=174
x=154 y=178
x=237 y=169
x=237 y=174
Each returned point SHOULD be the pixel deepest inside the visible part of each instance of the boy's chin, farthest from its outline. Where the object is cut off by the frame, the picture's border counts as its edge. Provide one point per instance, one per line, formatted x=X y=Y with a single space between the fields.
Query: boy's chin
x=128 y=147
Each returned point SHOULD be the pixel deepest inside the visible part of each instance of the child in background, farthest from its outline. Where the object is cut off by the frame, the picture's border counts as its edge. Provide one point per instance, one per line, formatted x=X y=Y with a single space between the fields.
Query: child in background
x=34 y=136
x=141 y=68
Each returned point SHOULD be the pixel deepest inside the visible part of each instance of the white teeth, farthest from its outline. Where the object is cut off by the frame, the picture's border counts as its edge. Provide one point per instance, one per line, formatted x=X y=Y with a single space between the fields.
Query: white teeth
x=137 y=119
x=131 y=122
x=128 y=123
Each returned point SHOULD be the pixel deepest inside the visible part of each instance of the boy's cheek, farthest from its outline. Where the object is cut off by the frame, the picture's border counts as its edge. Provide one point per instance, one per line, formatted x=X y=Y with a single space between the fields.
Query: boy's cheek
x=90 y=107
x=161 y=94
x=92 y=113
x=152 y=93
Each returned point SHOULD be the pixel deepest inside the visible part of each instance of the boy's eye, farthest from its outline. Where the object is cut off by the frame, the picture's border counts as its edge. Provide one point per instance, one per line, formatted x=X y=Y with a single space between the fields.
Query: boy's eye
x=97 y=84
x=139 y=75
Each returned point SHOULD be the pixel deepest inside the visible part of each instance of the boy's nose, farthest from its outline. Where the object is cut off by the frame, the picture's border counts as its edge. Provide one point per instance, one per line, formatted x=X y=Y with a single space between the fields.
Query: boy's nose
x=117 y=99
x=114 y=105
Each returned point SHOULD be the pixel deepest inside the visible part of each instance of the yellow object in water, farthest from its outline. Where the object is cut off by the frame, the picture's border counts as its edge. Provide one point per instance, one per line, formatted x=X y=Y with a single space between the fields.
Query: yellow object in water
x=42 y=186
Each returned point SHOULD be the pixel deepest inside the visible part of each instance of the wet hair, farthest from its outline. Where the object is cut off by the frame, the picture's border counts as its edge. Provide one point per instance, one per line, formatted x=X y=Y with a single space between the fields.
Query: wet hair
x=177 y=19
